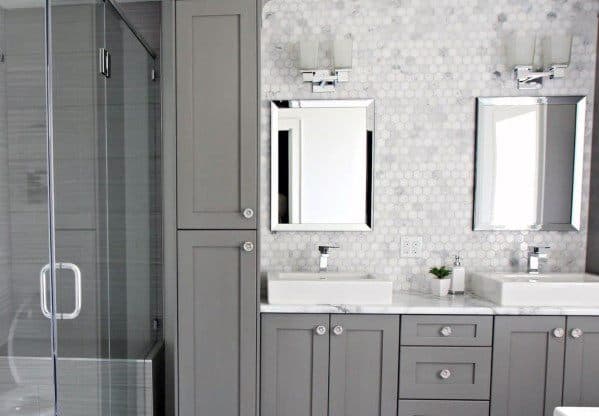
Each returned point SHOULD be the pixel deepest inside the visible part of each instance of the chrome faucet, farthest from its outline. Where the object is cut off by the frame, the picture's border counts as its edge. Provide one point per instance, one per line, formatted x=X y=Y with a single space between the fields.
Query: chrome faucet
x=323 y=262
x=535 y=255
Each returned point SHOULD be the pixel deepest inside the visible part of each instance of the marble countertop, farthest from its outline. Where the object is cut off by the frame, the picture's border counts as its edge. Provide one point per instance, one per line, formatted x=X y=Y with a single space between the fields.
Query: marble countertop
x=416 y=303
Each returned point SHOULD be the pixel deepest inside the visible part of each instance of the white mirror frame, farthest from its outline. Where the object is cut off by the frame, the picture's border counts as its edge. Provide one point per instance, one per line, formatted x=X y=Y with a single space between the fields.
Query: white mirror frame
x=274 y=166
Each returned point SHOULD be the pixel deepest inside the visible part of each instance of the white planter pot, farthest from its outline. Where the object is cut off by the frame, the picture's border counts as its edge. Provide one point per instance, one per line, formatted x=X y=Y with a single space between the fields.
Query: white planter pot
x=440 y=287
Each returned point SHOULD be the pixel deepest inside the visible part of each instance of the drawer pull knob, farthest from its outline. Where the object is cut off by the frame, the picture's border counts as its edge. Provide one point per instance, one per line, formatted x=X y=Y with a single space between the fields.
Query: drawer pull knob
x=337 y=330
x=576 y=333
x=320 y=330
x=445 y=373
x=446 y=331
x=559 y=332
x=248 y=213
x=248 y=246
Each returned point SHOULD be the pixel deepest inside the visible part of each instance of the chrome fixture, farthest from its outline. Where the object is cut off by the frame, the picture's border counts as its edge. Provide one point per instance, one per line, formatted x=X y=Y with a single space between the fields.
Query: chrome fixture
x=535 y=255
x=325 y=80
x=44 y=288
x=323 y=262
x=555 y=51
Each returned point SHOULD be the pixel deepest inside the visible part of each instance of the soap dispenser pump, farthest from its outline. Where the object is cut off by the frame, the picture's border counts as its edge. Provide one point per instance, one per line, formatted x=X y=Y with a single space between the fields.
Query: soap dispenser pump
x=458 y=276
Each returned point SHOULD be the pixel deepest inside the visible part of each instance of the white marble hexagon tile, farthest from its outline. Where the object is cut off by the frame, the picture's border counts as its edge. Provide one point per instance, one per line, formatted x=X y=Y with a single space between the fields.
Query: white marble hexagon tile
x=424 y=62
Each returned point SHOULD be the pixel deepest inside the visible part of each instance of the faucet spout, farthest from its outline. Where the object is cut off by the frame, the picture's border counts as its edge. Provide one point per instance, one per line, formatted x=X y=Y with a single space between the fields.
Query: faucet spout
x=323 y=262
x=535 y=256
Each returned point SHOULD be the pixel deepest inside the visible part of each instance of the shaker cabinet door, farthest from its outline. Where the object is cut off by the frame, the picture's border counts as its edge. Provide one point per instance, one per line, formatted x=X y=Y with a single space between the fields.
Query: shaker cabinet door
x=295 y=365
x=217 y=114
x=217 y=323
x=528 y=365
x=363 y=365
x=582 y=362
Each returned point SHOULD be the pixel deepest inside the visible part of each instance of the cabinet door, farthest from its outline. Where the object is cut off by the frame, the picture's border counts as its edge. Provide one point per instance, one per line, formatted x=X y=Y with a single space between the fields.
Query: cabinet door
x=295 y=362
x=528 y=366
x=217 y=323
x=582 y=362
x=217 y=114
x=363 y=365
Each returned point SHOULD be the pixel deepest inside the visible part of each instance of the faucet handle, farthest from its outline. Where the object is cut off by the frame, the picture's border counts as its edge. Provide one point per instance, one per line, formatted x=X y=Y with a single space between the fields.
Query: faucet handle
x=539 y=249
x=325 y=249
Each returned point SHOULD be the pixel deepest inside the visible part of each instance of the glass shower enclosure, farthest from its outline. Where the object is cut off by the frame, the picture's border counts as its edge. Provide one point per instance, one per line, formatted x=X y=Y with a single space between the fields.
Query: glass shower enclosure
x=80 y=215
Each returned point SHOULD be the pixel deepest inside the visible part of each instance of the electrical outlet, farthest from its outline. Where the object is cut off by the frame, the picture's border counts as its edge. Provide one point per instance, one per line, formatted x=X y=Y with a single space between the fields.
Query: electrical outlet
x=411 y=246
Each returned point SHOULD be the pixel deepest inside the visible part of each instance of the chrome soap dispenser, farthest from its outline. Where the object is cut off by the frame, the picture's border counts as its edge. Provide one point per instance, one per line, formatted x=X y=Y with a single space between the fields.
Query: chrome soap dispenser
x=458 y=277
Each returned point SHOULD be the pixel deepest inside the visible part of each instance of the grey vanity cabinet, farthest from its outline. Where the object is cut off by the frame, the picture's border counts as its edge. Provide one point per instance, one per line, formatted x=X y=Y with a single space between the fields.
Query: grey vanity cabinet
x=581 y=378
x=363 y=365
x=342 y=365
x=217 y=114
x=528 y=365
x=217 y=323
x=295 y=365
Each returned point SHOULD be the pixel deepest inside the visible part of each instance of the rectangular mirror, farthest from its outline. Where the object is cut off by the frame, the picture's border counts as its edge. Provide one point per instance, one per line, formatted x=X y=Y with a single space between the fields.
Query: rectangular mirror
x=529 y=155
x=322 y=154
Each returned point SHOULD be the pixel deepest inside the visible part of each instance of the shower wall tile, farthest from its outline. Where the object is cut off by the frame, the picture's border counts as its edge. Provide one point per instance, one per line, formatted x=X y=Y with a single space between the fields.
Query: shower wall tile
x=424 y=62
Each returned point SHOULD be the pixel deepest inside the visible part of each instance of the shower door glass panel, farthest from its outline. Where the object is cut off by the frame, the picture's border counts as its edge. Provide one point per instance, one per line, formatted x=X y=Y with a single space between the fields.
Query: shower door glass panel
x=26 y=359
x=104 y=159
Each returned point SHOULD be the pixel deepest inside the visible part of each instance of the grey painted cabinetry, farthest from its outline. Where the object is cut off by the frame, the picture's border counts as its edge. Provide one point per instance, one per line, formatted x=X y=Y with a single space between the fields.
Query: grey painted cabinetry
x=581 y=378
x=528 y=365
x=338 y=365
x=217 y=171
x=538 y=360
x=217 y=323
x=217 y=114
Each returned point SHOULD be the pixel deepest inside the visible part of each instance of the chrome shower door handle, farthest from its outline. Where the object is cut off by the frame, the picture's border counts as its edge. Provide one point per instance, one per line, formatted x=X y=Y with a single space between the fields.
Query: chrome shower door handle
x=43 y=290
x=43 y=300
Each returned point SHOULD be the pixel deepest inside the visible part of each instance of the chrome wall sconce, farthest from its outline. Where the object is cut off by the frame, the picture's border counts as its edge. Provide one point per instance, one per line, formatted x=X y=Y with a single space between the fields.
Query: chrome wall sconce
x=555 y=55
x=325 y=80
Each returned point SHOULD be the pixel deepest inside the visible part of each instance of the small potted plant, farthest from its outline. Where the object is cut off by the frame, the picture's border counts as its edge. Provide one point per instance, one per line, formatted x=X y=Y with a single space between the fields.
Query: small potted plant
x=440 y=282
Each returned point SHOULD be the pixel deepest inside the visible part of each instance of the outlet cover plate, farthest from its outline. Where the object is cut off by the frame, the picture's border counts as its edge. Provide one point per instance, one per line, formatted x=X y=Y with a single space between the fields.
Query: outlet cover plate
x=411 y=246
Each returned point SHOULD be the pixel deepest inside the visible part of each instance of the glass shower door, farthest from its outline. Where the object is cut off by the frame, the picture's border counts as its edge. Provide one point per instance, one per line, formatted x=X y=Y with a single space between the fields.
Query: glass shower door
x=104 y=155
x=26 y=354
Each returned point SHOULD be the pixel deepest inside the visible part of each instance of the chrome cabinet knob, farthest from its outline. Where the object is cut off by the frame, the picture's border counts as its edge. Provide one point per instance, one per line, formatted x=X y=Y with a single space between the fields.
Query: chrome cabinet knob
x=337 y=330
x=445 y=373
x=576 y=333
x=446 y=331
x=248 y=213
x=320 y=330
x=559 y=332
x=248 y=246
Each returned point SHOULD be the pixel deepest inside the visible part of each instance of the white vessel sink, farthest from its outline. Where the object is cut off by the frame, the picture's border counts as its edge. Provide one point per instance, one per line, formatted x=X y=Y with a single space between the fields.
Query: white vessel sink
x=523 y=289
x=328 y=288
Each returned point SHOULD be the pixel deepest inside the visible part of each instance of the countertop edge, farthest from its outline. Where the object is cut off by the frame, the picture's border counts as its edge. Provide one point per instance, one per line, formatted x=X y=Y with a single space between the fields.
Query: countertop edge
x=410 y=303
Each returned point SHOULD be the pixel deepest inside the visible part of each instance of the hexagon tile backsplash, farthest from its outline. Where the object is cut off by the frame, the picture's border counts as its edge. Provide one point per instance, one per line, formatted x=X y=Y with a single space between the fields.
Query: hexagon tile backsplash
x=424 y=62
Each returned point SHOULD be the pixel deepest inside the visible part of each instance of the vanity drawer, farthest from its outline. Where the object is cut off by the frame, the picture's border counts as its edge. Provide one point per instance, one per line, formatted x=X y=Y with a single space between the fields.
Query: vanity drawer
x=461 y=373
x=442 y=408
x=447 y=330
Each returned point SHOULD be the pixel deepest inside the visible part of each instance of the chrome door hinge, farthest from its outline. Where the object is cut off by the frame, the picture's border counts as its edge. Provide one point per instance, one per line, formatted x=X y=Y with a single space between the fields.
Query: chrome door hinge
x=154 y=75
x=104 y=62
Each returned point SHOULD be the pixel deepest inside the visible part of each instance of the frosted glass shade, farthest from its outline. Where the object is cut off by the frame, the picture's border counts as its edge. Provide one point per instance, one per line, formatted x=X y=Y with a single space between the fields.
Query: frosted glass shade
x=520 y=50
x=308 y=58
x=342 y=53
x=556 y=50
